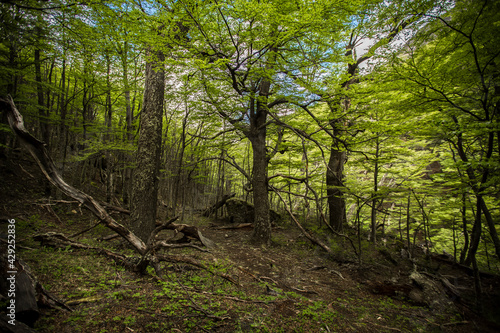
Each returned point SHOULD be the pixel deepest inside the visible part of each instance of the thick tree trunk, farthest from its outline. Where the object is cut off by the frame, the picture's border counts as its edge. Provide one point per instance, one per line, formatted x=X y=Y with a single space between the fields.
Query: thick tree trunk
x=145 y=178
x=335 y=168
x=257 y=136
x=336 y=201
x=262 y=224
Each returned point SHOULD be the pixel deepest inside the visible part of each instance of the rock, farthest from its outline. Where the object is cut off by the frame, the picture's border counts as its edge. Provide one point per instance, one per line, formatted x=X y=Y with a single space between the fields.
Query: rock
x=240 y=211
x=430 y=292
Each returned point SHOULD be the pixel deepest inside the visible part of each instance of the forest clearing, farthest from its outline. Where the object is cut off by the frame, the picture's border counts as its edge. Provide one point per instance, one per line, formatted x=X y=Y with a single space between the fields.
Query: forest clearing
x=250 y=166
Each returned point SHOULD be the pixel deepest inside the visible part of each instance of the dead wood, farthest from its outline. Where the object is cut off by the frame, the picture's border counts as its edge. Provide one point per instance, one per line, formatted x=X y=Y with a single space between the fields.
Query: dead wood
x=237 y=226
x=212 y=209
x=165 y=245
x=107 y=238
x=193 y=262
x=115 y=208
x=189 y=233
x=313 y=239
x=61 y=241
x=39 y=152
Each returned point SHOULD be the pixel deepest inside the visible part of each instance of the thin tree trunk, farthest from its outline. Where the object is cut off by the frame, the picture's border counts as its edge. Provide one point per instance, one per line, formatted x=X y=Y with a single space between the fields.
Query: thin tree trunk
x=478 y=189
x=43 y=117
x=374 y=199
x=463 y=253
x=475 y=237
x=408 y=219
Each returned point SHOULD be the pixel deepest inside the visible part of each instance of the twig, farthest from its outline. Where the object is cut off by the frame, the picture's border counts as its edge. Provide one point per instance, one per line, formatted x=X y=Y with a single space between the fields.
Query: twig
x=457 y=323
x=313 y=239
x=195 y=306
x=338 y=273
x=88 y=229
x=164 y=244
x=387 y=327
x=247 y=272
x=51 y=211
x=303 y=291
x=234 y=298
x=29 y=174
x=191 y=261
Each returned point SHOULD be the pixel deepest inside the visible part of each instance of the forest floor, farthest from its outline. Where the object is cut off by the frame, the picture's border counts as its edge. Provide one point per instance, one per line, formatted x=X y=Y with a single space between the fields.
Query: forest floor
x=291 y=286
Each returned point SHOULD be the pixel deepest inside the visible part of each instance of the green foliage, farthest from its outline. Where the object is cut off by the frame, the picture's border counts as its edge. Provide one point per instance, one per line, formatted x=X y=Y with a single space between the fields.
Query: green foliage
x=429 y=97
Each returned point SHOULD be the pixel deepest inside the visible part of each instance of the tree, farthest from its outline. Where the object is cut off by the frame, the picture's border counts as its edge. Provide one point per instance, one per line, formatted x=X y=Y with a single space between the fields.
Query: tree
x=450 y=71
x=145 y=178
x=378 y=24
x=253 y=57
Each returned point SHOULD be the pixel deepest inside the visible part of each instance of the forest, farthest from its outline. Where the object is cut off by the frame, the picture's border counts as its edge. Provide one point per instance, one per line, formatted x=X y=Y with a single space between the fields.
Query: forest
x=250 y=165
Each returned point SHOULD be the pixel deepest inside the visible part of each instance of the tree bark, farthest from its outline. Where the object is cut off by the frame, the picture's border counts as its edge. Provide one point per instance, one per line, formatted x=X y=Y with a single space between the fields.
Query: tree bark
x=257 y=136
x=334 y=176
x=145 y=178
x=475 y=236
x=262 y=225
x=375 y=190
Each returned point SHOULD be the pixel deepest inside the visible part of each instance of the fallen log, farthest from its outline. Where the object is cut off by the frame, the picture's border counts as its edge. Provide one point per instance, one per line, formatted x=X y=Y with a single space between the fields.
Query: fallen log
x=39 y=152
x=237 y=226
x=189 y=232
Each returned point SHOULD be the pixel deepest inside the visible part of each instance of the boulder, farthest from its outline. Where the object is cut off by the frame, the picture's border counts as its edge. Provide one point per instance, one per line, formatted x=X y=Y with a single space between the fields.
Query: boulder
x=240 y=211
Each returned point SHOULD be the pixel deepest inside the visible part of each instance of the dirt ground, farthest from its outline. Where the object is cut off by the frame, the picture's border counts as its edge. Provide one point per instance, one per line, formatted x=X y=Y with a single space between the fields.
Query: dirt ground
x=292 y=286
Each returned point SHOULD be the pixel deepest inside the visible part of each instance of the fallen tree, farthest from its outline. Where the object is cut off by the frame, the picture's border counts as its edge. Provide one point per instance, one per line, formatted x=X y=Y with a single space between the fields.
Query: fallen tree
x=212 y=209
x=146 y=250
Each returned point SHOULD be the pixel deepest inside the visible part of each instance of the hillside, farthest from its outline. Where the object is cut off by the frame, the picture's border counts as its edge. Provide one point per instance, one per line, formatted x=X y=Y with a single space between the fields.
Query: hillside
x=235 y=287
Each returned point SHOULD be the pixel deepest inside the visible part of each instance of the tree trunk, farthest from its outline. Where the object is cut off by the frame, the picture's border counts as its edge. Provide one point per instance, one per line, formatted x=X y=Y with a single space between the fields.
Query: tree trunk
x=478 y=190
x=336 y=201
x=335 y=168
x=375 y=190
x=463 y=253
x=129 y=117
x=262 y=224
x=43 y=116
x=257 y=136
x=145 y=178
x=475 y=237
